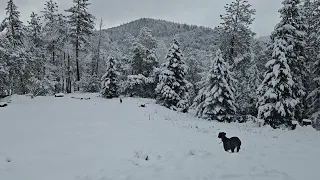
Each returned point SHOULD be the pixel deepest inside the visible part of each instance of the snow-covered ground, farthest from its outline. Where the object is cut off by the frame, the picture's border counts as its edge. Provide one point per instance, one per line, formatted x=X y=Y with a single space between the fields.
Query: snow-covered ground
x=48 y=138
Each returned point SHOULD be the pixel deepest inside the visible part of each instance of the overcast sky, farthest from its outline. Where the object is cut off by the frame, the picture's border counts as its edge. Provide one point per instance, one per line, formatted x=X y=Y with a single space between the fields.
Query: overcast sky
x=197 y=12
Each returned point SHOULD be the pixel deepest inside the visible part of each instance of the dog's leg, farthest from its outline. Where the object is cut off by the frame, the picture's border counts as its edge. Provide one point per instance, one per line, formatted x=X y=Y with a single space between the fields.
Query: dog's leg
x=232 y=150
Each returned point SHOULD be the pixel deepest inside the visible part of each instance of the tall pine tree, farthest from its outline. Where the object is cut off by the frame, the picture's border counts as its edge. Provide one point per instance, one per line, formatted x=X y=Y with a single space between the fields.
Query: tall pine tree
x=216 y=99
x=110 y=81
x=277 y=101
x=292 y=29
x=12 y=25
x=82 y=25
x=173 y=89
x=237 y=35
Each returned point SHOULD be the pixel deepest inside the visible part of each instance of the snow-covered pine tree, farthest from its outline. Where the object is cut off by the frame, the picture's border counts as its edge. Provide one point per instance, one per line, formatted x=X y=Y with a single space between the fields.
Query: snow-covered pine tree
x=16 y=56
x=237 y=35
x=138 y=59
x=36 y=65
x=277 y=101
x=292 y=29
x=34 y=29
x=313 y=50
x=146 y=39
x=12 y=25
x=236 y=45
x=314 y=96
x=82 y=25
x=173 y=89
x=110 y=86
x=50 y=34
x=216 y=100
x=4 y=71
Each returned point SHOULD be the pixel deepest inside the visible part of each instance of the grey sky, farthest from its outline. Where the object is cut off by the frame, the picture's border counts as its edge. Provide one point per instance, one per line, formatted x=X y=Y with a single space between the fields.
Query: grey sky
x=197 y=12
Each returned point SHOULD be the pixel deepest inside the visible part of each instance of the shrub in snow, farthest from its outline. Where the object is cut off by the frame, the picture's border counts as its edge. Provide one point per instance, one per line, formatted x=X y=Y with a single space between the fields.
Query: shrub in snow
x=89 y=83
x=277 y=102
x=139 y=85
x=41 y=87
x=110 y=81
x=172 y=90
x=216 y=101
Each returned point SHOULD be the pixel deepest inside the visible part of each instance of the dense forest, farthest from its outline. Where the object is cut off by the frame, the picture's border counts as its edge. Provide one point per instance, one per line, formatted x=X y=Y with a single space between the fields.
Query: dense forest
x=225 y=74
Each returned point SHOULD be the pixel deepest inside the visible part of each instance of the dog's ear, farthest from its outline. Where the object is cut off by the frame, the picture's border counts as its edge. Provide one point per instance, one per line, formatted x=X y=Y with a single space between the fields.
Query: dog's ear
x=224 y=133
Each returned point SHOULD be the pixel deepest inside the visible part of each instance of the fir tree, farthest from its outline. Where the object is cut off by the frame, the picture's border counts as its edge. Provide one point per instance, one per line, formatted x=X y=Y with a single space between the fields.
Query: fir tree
x=82 y=25
x=146 y=39
x=110 y=81
x=237 y=35
x=173 y=89
x=50 y=29
x=138 y=59
x=12 y=25
x=292 y=30
x=34 y=29
x=216 y=100
x=277 y=101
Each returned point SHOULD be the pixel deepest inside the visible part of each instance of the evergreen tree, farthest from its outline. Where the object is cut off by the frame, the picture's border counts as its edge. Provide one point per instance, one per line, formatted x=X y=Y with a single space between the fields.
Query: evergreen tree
x=216 y=100
x=82 y=25
x=110 y=87
x=292 y=29
x=50 y=16
x=173 y=89
x=34 y=29
x=237 y=35
x=12 y=25
x=138 y=59
x=277 y=101
x=313 y=50
x=146 y=39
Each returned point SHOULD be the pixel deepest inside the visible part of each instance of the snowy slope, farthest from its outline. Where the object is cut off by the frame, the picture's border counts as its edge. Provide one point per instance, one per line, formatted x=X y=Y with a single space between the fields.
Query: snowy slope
x=49 y=138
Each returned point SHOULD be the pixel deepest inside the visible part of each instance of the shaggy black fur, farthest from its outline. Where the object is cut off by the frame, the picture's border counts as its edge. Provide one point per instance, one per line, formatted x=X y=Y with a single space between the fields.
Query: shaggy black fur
x=230 y=143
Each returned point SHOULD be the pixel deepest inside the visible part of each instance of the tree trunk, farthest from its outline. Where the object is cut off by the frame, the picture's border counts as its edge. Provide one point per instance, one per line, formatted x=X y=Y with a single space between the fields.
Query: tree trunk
x=99 y=44
x=69 y=76
x=77 y=62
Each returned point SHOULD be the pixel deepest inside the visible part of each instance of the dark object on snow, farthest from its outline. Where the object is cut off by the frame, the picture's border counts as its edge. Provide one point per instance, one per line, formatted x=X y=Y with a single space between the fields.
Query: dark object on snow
x=59 y=95
x=306 y=122
x=120 y=100
x=147 y=158
x=293 y=126
x=8 y=160
x=185 y=111
x=80 y=98
x=3 y=105
x=230 y=143
x=3 y=96
x=142 y=105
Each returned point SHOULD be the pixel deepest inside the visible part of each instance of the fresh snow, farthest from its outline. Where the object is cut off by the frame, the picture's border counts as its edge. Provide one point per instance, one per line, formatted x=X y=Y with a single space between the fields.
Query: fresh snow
x=49 y=138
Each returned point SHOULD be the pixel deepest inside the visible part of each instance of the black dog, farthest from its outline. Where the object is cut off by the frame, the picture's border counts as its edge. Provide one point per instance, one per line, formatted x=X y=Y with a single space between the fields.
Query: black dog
x=230 y=143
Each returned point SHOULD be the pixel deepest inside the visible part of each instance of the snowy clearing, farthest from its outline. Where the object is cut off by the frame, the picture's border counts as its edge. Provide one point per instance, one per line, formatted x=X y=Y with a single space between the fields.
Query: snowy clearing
x=66 y=138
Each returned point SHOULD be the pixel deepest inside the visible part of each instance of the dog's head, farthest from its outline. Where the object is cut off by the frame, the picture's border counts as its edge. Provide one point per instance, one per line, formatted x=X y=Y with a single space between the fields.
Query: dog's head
x=222 y=134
